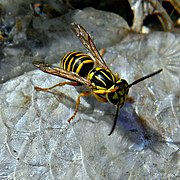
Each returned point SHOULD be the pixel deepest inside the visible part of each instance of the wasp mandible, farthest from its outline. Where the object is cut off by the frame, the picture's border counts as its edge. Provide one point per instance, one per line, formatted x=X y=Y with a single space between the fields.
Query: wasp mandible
x=93 y=73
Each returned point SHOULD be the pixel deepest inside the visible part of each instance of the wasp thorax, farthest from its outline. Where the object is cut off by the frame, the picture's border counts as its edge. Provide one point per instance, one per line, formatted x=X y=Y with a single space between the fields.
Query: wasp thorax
x=101 y=78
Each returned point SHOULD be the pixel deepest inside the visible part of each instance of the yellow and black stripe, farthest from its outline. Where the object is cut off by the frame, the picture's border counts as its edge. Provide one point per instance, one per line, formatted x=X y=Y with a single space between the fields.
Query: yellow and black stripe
x=120 y=95
x=77 y=62
x=101 y=78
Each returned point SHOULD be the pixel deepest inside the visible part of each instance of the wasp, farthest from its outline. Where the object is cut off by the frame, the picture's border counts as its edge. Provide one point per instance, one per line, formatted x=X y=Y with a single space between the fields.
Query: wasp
x=92 y=72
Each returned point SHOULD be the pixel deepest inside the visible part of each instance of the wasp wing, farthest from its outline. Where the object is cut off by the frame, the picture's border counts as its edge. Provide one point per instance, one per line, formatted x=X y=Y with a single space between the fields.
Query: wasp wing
x=86 y=40
x=57 y=71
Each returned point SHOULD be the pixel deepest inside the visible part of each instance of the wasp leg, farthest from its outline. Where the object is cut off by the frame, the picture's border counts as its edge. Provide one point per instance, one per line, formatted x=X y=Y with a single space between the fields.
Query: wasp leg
x=59 y=84
x=104 y=91
x=102 y=51
x=97 y=94
x=130 y=99
x=99 y=97
x=86 y=93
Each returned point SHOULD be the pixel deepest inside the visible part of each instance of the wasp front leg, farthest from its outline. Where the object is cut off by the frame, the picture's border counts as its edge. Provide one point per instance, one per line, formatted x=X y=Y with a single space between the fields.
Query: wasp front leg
x=83 y=94
x=102 y=91
x=98 y=94
x=100 y=98
x=59 y=84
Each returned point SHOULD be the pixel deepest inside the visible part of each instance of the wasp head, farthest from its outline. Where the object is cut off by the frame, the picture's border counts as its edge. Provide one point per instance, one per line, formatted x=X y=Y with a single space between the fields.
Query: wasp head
x=120 y=93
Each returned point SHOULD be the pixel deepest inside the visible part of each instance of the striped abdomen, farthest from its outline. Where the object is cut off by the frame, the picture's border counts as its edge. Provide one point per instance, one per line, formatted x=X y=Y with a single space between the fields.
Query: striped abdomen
x=77 y=62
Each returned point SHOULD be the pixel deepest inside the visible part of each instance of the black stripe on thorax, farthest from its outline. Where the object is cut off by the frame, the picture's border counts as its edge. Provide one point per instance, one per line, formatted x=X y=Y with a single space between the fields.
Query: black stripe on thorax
x=102 y=78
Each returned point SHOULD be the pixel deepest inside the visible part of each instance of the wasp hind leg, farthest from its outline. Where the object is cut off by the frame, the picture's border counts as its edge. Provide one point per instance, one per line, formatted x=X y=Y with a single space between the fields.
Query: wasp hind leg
x=83 y=94
x=56 y=85
x=102 y=51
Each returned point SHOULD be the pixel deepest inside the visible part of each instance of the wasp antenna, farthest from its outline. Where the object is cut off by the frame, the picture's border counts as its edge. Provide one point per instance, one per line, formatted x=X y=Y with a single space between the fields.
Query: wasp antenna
x=145 y=77
x=115 y=119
